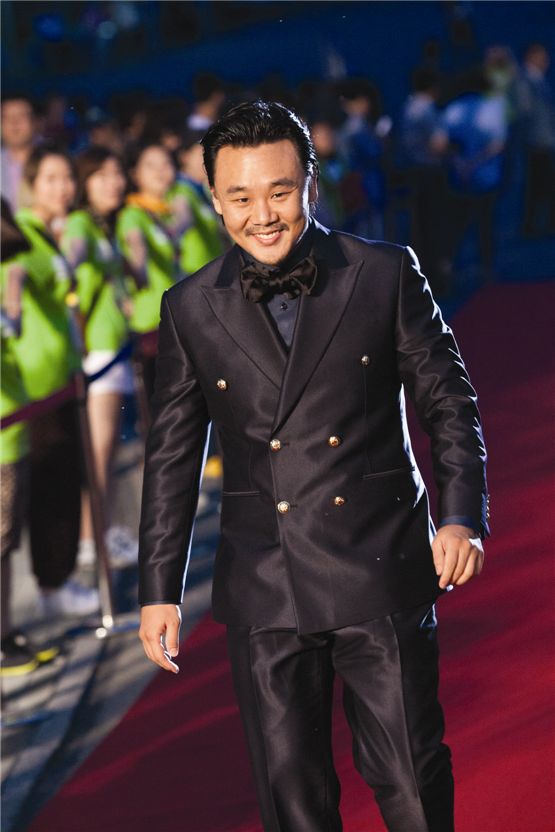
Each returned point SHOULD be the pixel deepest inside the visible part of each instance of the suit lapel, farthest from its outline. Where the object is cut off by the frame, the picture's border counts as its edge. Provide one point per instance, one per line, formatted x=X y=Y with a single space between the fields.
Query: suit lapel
x=319 y=316
x=247 y=323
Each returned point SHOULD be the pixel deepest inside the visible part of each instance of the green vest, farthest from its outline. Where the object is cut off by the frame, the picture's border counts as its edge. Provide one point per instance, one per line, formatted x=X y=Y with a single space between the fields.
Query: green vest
x=14 y=440
x=204 y=239
x=100 y=283
x=45 y=352
x=161 y=265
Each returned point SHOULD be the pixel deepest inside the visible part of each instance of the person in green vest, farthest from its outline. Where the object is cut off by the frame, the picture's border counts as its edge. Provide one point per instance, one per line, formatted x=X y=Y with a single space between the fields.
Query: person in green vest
x=16 y=658
x=18 y=654
x=205 y=238
x=48 y=355
x=148 y=231
x=89 y=245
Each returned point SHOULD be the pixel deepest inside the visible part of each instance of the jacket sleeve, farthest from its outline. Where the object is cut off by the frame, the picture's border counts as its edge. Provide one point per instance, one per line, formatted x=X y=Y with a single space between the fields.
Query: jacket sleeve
x=174 y=457
x=434 y=375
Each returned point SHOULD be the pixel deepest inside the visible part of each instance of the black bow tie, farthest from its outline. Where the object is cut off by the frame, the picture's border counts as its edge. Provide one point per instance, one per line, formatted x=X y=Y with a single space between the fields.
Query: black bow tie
x=258 y=285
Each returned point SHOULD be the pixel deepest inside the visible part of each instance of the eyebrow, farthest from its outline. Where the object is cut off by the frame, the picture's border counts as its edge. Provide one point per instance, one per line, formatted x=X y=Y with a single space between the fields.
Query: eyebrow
x=284 y=182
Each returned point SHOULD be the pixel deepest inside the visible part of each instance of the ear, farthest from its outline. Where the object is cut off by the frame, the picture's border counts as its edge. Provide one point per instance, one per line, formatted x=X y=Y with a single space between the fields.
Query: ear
x=216 y=202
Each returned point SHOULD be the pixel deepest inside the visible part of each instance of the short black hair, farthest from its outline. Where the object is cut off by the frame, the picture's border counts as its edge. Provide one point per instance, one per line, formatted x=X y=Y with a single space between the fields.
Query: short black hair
x=20 y=96
x=259 y=122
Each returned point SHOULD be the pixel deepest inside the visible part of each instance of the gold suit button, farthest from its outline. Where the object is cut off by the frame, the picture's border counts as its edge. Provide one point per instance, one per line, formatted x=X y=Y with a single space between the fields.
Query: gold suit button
x=365 y=360
x=334 y=441
x=283 y=507
x=339 y=501
x=221 y=384
x=275 y=444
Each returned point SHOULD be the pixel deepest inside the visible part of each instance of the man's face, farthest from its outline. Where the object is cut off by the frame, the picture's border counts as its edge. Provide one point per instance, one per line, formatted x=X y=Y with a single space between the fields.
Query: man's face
x=18 y=124
x=264 y=196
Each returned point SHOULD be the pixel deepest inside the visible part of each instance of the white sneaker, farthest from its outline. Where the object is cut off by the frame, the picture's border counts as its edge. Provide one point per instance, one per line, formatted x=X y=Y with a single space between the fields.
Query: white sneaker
x=72 y=598
x=86 y=553
x=123 y=548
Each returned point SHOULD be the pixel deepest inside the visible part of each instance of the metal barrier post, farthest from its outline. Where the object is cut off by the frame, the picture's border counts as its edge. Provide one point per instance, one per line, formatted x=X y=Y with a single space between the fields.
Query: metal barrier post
x=97 y=508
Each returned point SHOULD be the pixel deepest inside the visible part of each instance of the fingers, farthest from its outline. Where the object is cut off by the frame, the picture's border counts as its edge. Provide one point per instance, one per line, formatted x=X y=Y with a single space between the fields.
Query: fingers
x=457 y=558
x=438 y=555
x=446 y=554
x=159 y=624
x=450 y=560
x=466 y=553
x=472 y=567
x=156 y=653
x=172 y=638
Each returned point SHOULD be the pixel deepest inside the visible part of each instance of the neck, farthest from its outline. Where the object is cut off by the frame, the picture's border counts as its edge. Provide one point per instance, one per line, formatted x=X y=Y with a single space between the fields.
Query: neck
x=20 y=154
x=101 y=213
x=43 y=214
x=152 y=195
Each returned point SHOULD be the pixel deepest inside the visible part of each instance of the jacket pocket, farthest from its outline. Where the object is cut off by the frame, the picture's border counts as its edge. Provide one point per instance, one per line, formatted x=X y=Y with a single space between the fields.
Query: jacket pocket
x=406 y=469
x=395 y=485
x=240 y=493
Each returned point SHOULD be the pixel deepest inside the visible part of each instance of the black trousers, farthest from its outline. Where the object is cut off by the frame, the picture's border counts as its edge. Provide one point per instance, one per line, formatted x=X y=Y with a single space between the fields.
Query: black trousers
x=539 y=206
x=428 y=229
x=389 y=667
x=56 y=475
x=467 y=210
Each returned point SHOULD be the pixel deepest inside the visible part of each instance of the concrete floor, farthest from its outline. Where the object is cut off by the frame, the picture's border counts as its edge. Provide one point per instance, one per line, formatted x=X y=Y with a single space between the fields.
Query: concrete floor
x=54 y=717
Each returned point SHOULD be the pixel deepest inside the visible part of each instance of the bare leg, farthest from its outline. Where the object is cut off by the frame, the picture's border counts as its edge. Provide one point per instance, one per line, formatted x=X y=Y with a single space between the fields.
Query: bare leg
x=104 y=411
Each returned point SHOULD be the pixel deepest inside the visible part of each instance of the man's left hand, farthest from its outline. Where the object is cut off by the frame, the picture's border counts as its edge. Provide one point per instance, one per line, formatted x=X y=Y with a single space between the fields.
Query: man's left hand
x=458 y=555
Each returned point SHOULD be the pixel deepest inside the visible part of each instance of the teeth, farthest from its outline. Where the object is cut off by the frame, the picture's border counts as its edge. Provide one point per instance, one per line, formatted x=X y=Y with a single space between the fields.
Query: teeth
x=269 y=234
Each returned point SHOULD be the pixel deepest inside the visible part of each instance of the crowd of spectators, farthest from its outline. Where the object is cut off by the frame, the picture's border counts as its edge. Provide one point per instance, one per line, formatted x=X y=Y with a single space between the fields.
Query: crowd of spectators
x=103 y=209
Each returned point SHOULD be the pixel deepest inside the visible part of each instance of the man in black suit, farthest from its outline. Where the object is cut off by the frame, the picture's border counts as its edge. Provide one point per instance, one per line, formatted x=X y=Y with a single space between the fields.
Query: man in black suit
x=298 y=345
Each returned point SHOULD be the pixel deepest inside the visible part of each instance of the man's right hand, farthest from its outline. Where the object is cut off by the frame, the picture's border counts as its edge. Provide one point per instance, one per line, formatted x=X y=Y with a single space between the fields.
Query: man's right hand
x=159 y=633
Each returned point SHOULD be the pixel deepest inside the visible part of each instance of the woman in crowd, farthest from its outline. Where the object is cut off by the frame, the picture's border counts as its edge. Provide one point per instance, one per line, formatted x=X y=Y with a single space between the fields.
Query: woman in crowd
x=148 y=231
x=205 y=238
x=48 y=354
x=88 y=243
x=16 y=655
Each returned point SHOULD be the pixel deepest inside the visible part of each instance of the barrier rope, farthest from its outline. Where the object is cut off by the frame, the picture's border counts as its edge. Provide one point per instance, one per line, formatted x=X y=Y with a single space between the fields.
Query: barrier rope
x=37 y=408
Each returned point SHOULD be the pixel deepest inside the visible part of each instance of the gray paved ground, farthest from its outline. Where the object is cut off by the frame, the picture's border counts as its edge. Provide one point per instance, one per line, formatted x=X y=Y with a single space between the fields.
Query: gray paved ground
x=53 y=718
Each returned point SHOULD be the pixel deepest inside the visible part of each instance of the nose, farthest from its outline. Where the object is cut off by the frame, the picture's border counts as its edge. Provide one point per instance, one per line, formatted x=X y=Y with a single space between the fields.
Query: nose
x=263 y=213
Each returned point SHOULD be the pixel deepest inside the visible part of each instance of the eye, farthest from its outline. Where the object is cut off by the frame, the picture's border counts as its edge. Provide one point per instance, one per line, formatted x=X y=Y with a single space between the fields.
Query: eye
x=279 y=194
x=241 y=200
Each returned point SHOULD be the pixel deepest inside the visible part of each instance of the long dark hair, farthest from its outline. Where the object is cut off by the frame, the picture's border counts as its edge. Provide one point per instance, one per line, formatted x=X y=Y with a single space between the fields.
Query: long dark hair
x=259 y=122
x=13 y=241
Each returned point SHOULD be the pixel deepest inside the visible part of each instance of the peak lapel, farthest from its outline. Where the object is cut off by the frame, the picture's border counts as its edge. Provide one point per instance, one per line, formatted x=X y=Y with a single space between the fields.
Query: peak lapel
x=247 y=323
x=318 y=318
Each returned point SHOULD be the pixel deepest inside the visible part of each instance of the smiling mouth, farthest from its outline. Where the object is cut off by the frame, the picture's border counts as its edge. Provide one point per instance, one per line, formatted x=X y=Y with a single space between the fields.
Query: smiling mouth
x=267 y=236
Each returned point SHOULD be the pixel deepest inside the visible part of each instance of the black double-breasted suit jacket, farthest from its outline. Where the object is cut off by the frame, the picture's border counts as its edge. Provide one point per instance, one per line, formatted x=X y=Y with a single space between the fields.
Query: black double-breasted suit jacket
x=325 y=519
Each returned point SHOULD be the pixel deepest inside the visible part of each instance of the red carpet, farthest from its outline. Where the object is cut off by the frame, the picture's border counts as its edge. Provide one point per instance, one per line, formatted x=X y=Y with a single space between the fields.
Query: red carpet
x=178 y=760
